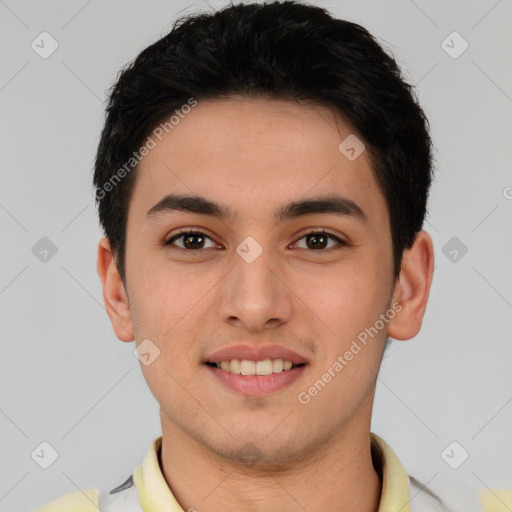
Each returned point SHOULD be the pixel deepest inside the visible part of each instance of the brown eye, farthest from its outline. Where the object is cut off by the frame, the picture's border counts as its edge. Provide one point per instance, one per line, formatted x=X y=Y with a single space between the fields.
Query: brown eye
x=191 y=240
x=318 y=240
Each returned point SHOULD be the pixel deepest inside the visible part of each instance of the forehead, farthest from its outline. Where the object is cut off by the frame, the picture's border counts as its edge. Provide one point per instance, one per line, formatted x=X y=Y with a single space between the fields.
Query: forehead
x=255 y=154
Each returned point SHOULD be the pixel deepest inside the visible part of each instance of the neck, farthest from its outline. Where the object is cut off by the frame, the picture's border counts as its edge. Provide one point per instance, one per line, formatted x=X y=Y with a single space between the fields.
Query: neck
x=340 y=476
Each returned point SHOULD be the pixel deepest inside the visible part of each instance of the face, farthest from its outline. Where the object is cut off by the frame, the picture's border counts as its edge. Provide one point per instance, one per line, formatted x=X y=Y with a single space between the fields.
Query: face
x=253 y=278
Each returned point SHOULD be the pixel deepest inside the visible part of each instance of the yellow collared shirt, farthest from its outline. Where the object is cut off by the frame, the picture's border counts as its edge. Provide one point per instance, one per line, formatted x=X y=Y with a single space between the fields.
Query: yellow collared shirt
x=147 y=491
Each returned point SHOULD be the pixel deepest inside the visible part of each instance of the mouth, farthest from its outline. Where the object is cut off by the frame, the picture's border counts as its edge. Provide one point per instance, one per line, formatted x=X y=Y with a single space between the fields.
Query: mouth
x=255 y=378
x=255 y=368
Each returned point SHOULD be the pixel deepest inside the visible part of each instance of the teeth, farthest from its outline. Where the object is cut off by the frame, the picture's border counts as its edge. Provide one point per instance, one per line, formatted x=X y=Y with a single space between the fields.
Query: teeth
x=246 y=367
x=277 y=365
x=234 y=366
x=264 y=367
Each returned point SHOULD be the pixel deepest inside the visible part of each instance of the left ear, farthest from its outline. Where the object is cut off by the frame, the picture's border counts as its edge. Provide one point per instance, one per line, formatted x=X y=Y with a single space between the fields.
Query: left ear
x=412 y=288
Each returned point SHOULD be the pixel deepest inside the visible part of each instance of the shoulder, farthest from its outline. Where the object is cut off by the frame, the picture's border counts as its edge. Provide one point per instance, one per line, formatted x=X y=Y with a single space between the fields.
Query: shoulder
x=422 y=499
x=124 y=498
x=78 y=501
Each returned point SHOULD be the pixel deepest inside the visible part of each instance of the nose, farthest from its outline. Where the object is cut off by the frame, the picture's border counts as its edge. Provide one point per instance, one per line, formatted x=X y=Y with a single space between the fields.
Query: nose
x=256 y=293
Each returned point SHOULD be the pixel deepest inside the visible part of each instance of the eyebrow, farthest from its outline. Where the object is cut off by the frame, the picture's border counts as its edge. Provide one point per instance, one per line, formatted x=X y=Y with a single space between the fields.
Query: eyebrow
x=325 y=204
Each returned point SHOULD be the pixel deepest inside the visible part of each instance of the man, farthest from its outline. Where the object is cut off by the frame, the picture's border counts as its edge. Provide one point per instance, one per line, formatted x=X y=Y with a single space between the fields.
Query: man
x=262 y=181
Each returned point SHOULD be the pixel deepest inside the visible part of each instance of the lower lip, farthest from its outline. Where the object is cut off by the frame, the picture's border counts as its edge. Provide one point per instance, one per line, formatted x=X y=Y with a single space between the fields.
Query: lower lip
x=257 y=385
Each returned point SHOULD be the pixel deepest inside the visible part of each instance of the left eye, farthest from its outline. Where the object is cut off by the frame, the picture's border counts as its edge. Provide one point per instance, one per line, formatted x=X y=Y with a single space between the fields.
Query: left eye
x=315 y=240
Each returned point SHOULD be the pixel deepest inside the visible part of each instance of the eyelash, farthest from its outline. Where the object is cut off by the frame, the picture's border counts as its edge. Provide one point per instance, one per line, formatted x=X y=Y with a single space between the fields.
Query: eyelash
x=196 y=232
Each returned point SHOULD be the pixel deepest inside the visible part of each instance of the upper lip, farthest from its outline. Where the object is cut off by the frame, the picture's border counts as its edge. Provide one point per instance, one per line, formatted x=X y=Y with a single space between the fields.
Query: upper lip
x=255 y=353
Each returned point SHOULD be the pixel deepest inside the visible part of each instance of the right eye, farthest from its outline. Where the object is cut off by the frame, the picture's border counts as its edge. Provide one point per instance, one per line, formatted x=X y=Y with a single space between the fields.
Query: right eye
x=190 y=239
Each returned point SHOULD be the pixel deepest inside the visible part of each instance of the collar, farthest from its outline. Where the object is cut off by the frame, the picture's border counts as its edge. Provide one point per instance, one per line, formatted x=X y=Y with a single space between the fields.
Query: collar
x=155 y=495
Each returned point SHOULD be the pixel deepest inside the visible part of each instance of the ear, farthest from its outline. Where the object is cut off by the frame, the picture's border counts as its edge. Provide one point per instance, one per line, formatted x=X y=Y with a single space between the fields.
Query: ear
x=412 y=288
x=114 y=293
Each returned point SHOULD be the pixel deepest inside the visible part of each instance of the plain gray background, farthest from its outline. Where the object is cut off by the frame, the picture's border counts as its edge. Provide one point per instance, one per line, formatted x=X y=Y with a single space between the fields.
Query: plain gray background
x=68 y=381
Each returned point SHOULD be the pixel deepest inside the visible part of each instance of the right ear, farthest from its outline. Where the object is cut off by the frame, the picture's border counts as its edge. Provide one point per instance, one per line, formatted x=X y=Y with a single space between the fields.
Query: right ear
x=115 y=297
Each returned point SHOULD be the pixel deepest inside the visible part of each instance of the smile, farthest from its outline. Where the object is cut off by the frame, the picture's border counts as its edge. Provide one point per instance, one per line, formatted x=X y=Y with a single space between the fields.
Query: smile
x=245 y=378
x=247 y=367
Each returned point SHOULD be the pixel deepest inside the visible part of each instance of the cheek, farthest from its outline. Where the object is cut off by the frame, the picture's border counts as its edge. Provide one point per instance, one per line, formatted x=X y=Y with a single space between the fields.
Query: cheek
x=350 y=305
x=157 y=298
x=168 y=304
x=163 y=304
x=348 y=298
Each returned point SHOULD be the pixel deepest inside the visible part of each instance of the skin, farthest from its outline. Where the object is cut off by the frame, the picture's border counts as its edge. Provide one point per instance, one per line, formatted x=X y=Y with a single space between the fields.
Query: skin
x=255 y=155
